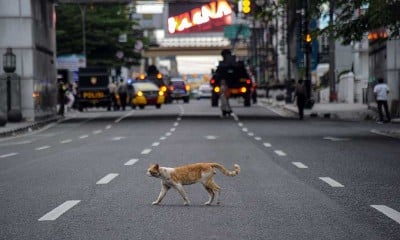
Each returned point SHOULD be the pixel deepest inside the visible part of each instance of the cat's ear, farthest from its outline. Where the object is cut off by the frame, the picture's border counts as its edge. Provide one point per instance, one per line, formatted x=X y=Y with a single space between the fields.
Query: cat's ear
x=156 y=166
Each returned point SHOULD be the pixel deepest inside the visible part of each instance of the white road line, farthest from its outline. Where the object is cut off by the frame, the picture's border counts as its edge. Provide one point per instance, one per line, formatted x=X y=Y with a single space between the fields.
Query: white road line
x=244 y=129
x=235 y=117
x=280 y=153
x=108 y=178
x=257 y=138
x=131 y=162
x=176 y=124
x=42 y=148
x=172 y=129
x=58 y=211
x=146 y=151
x=155 y=144
x=97 y=131
x=178 y=119
x=331 y=182
x=23 y=142
x=108 y=126
x=83 y=136
x=267 y=144
x=240 y=124
x=118 y=138
x=168 y=134
x=126 y=115
x=163 y=138
x=389 y=212
x=66 y=141
x=251 y=134
x=299 y=164
x=8 y=155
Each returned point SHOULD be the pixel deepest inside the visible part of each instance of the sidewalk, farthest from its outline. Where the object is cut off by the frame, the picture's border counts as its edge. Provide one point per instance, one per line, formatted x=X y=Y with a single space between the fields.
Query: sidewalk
x=338 y=111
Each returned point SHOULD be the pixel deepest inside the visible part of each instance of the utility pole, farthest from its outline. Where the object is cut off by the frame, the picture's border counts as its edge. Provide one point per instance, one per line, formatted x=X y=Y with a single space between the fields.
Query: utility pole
x=83 y=14
x=332 y=65
x=307 y=50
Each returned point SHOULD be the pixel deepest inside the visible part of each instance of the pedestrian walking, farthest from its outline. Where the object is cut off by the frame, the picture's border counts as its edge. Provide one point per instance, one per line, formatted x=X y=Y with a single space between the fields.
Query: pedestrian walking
x=112 y=88
x=62 y=88
x=123 y=94
x=224 y=97
x=300 y=95
x=381 y=91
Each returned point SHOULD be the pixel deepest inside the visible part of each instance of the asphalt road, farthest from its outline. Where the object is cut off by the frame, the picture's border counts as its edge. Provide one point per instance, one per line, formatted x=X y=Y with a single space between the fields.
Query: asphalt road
x=84 y=178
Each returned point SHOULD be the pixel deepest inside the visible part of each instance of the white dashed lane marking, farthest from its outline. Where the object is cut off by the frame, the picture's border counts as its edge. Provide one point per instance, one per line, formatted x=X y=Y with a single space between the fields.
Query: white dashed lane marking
x=331 y=182
x=155 y=144
x=58 y=211
x=97 y=131
x=83 y=136
x=257 y=138
x=66 y=141
x=8 y=155
x=267 y=144
x=131 y=162
x=107 y=179
x=146 y=151
x=389 y=212
x=299 y=164
x=42 y=148
x=280 y=153
x=163 y=138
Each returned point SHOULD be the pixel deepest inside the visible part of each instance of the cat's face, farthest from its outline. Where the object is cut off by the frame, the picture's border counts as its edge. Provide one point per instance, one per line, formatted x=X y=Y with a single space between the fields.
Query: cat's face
x=153 y=170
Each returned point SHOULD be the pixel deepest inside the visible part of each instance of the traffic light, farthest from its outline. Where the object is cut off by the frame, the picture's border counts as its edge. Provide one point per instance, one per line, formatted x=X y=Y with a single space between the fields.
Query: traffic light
x=246 y=6
x=308 y=38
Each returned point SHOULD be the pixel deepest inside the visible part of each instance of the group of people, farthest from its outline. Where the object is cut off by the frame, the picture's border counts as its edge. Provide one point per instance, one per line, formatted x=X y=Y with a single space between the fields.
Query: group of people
x=381 y=91
x=66 y=96
x=119 y=94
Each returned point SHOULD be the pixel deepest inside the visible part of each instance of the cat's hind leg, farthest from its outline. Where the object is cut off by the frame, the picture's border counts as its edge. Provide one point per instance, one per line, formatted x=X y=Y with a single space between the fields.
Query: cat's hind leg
x=217 y=190
x=164 y=190
x=211 y=193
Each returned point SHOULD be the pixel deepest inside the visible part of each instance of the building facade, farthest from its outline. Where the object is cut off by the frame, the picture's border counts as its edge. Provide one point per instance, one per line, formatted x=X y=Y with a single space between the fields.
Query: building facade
x=28 y=27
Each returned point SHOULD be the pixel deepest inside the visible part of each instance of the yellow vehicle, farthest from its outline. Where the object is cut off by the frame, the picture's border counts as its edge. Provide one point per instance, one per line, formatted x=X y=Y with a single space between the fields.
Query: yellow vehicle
x=146 y=93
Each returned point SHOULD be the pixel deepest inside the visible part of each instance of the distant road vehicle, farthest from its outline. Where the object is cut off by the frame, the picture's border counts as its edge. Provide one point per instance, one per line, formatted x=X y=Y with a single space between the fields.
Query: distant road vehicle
x=179 y=89
x=204 y=91
x=146 y=93
x=93 y=89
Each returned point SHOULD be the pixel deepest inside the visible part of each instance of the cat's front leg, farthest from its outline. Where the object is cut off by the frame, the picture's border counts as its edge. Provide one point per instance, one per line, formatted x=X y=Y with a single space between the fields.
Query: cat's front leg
x=180 y=189
x=164 y=190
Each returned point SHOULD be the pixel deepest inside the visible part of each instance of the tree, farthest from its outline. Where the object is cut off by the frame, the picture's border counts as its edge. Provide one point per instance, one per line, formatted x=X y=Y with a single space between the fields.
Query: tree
x=104 y=25
x=355 y=18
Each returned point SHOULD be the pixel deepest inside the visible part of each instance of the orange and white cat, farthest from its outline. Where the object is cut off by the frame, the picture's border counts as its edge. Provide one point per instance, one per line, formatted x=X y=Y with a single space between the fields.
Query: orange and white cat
x=190 y=174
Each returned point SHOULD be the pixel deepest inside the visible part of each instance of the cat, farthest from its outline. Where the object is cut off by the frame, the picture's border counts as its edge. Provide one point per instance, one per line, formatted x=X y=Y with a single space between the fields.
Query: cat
x=190 y=174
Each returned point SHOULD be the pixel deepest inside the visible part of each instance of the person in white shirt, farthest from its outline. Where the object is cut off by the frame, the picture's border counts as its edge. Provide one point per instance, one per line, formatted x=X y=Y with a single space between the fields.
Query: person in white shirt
x=381 y=91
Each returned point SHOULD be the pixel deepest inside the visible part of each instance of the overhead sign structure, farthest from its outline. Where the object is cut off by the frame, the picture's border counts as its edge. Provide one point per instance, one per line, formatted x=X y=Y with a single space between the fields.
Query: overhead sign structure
x=194 y=17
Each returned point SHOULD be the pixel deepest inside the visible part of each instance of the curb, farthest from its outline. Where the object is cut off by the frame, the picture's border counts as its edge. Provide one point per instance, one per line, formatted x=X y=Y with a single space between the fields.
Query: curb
x=29 y=128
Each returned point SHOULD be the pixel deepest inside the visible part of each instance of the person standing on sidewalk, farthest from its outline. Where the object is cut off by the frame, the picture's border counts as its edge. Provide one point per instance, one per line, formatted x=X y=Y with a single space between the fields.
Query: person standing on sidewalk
x=381 y=91
x=300 y=95
x=123 y=93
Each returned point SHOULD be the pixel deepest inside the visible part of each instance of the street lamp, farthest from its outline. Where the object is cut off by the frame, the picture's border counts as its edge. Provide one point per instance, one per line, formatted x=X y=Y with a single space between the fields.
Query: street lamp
x=9 y=61
x=10 y=89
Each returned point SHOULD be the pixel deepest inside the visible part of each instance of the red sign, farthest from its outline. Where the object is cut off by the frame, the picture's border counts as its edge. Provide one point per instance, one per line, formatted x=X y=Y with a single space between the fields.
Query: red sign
x=210 y=17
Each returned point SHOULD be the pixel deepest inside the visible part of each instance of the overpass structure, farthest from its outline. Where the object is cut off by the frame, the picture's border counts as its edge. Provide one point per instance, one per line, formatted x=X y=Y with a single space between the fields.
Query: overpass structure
x=164 y=51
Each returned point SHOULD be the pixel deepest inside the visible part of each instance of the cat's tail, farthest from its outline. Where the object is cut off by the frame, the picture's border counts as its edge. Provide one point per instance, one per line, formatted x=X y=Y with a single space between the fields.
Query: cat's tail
x=225 y=171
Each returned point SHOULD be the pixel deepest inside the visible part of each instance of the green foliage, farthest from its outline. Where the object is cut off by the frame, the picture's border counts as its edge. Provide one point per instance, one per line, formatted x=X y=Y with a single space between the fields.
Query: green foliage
x=354 y=18
x=104 y=25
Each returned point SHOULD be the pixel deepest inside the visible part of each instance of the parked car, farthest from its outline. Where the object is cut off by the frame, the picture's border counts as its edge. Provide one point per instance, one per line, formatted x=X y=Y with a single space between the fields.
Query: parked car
x=204 y=91
x=179 y=89
x=146 y=93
